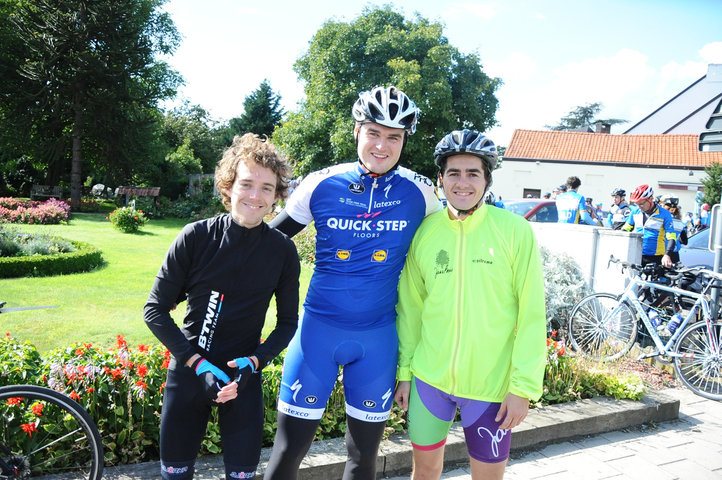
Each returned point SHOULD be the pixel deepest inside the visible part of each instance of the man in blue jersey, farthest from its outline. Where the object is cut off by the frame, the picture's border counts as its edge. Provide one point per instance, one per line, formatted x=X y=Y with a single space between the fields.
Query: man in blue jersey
x=572 y=206
x=656 y=225
x=365 y=213
x=619 y=213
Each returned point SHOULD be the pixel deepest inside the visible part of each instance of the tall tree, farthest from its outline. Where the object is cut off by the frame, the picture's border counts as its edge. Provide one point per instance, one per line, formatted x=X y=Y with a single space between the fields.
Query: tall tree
x=262 y=112
x=382 y=48
x=583 y=117
x=88 y=81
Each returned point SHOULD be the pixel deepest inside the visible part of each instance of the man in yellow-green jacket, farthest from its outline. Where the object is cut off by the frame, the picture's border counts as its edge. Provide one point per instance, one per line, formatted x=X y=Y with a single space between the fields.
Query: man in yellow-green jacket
x=471 y=317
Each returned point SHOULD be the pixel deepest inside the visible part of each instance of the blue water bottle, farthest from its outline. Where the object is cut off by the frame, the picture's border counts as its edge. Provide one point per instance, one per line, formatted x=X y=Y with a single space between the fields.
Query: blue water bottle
x=653 y=317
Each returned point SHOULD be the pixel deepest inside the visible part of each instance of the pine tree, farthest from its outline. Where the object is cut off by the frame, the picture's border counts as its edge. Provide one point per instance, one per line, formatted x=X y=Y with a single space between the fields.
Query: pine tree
x=261 y=112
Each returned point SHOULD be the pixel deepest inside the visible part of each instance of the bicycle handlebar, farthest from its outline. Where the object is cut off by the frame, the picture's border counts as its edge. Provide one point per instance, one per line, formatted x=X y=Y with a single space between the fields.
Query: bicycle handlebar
x=670 y=272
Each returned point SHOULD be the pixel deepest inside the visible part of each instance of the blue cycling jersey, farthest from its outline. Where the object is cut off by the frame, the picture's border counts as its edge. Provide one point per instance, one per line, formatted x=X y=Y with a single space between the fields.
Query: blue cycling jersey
x=572 y=209
x=364 y=227
x=656 y=228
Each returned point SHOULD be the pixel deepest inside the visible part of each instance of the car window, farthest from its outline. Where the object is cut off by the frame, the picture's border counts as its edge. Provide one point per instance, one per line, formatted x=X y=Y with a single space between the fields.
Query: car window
x=520 y=208
x=699 y=240
x=547 y=214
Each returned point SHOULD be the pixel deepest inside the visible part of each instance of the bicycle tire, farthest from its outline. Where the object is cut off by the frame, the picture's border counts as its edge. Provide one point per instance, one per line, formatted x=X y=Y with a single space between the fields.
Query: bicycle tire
x=48 y=433
x=701 y=367
x=597 y=336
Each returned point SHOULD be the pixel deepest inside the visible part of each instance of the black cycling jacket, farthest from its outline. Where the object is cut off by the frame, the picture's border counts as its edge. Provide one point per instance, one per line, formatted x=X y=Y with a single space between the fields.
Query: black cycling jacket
x=228 y=274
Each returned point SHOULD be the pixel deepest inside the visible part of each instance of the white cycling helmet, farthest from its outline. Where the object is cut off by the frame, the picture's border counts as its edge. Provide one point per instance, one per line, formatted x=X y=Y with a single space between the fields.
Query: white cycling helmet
x=389 y=107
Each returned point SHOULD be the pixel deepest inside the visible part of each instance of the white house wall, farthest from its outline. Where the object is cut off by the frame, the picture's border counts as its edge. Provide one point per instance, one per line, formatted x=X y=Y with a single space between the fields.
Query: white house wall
x=598 y=181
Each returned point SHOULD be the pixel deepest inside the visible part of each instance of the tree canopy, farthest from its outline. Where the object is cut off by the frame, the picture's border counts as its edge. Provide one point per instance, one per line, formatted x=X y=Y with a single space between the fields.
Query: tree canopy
x=382 y=48
x=262 y=112
x=81 y=83
x=583 y=118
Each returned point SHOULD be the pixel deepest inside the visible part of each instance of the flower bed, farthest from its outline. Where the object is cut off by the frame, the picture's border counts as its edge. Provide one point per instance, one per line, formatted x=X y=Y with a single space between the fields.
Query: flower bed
x=49 y=212
x=122 y=389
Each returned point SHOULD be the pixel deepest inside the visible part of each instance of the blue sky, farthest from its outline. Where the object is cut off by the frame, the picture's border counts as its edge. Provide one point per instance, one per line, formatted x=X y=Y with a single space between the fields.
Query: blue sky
x=552 y=56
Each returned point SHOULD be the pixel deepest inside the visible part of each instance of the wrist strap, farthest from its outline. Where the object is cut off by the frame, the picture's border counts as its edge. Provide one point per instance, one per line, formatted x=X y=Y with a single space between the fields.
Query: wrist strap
x=197 y=362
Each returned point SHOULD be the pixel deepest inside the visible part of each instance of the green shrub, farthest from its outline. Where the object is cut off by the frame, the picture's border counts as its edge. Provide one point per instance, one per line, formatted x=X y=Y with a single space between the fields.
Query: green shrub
x=84 y=258
x=127 y=219
x=564 y=286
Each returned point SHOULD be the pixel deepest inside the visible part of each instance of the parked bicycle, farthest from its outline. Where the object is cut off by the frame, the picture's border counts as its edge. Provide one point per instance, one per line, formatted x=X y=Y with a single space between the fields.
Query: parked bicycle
x=603 y=326
x=45 y=433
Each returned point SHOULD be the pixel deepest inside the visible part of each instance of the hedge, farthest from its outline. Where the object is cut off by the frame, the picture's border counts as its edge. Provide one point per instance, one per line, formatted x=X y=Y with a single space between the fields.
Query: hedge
x=85 y=258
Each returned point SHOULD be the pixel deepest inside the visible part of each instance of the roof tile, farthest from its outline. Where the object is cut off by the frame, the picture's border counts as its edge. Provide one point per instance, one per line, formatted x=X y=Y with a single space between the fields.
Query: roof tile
x=653 y=150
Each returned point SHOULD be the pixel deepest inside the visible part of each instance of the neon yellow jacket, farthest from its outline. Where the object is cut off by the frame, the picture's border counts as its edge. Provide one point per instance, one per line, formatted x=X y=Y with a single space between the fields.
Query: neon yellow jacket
x=471 y=313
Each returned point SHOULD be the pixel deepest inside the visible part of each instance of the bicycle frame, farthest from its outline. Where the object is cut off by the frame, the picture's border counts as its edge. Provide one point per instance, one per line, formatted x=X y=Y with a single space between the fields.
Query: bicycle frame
x=630 y=296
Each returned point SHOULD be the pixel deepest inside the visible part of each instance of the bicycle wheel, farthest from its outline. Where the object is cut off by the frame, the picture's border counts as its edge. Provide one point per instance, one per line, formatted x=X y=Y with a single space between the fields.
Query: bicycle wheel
x=701 y=367
x=47 y=433
x=601 y=328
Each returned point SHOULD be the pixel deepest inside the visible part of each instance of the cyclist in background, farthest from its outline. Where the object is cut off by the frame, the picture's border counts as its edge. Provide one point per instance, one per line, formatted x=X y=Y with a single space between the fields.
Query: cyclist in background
x=572 y=206
x=619 y=213
x=656 y=225
x=365 y=213
x=228 y=268
x=680 y=227
x=471 y=318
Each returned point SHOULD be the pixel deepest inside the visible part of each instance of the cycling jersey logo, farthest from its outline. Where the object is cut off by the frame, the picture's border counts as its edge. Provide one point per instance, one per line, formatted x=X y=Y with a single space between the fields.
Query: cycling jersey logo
x=386 y=190
x=357 y=188
x=311 y=399
x=343 y=254
x=209 y=323
x=369 y=403
x=442 y=263
x=379 y=256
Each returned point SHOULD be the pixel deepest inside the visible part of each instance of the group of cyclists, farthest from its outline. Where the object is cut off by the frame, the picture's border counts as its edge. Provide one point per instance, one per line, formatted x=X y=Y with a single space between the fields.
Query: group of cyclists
x=368 y=214
x=659 y=219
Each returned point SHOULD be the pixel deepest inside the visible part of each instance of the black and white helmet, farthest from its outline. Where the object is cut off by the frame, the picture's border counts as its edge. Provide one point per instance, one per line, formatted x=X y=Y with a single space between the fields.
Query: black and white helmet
x=490 y=198
x=467 y=141
x=618 y=191
x=389 y=107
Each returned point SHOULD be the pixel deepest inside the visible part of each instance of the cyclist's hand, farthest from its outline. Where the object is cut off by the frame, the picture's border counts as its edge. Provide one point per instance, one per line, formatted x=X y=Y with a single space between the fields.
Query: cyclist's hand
x=245 y=367
x=513 y=411
x=403 y=391
x=667 y=261
x=214 y=380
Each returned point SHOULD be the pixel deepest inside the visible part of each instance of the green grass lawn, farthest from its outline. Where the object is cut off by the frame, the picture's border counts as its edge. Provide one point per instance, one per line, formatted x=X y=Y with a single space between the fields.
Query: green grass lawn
x=96 y=306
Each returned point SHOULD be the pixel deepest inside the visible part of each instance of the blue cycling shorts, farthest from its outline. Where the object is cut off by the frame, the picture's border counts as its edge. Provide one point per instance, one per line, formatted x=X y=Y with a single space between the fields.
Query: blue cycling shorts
x=311 y=368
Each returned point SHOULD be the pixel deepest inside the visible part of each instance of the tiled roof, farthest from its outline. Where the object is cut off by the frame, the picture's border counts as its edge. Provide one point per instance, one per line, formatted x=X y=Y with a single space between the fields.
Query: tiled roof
x=657 y=150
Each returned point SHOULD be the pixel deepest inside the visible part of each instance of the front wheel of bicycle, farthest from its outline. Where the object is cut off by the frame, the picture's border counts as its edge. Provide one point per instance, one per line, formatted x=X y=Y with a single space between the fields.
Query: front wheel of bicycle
x=47 y=433
x=700 y=367
x=602 y=328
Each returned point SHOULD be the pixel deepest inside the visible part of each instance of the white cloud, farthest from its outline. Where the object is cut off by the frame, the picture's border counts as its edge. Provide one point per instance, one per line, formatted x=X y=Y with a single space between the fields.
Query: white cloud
x=712 y=52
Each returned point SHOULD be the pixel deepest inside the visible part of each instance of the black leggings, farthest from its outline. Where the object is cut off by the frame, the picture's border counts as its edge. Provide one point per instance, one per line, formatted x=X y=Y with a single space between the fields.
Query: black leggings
x=186 y=411
x=294 y=437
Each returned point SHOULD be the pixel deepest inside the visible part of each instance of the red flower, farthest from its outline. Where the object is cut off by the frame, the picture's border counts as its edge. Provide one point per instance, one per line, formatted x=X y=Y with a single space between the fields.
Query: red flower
x=162 y=386
x=79 y=352
x=7 y=334
x=142 y=370
x=143 y=348
x=166 y=354
x=90 y=390
x=141 y=384
x=120 y=342
x=29 y=428
x=38 y=409
x=117 y=373
x=15 y=401
x=166 y=363
x=74 y=395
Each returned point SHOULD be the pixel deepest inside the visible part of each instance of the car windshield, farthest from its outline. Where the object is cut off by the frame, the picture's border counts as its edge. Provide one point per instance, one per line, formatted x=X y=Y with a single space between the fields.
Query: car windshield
x=699 y=240
x=521 y=208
